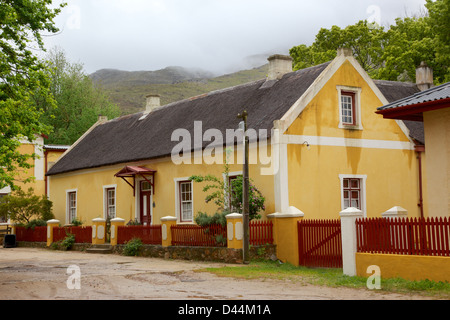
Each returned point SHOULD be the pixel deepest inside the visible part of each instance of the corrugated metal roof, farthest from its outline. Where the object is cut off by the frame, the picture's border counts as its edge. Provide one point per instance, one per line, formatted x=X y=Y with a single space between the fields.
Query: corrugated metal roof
x=433 y=94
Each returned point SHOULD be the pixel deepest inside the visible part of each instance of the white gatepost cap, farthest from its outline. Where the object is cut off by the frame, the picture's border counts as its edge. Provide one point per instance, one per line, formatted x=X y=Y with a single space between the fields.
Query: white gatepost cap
x=291 y=212
x=53 y=221
x=169 y=218
x=117 y=220
x=234 y=216
x=98 y=220
x=396 y=211
x=350 y=212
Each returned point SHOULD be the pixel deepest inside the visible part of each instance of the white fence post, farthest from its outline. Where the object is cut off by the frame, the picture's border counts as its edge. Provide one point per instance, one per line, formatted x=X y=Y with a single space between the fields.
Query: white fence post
x=348 y=232
x=395 y=212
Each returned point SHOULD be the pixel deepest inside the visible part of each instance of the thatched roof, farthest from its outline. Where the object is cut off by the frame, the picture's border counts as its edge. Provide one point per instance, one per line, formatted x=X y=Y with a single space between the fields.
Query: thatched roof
x=128 y=139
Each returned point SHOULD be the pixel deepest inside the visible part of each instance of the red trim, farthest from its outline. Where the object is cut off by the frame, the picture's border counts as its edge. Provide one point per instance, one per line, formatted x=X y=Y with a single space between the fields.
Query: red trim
x=414 y=112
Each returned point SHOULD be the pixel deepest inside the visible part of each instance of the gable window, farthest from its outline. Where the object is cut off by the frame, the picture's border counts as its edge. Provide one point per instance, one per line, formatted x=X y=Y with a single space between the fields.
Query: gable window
x=71 y=205
x=349 y=108
x=186 y=201
x=353 y=191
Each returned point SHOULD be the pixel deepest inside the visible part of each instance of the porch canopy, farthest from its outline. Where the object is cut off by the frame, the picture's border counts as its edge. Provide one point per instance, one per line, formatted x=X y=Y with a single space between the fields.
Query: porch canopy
x=132 y=172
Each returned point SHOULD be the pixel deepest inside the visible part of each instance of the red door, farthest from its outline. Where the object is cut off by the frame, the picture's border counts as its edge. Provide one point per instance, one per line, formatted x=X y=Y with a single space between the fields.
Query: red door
x=146 y=203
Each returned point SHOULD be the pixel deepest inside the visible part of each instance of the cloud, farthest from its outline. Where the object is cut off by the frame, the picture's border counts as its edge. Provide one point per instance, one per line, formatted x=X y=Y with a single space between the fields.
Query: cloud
x=209 y=34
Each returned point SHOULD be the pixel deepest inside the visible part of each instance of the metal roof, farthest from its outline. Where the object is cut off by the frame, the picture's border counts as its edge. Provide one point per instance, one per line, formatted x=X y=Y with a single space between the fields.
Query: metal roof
x=433 y=94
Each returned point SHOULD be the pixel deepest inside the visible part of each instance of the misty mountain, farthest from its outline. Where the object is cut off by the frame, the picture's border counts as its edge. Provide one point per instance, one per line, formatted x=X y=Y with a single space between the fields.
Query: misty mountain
x=129 y=89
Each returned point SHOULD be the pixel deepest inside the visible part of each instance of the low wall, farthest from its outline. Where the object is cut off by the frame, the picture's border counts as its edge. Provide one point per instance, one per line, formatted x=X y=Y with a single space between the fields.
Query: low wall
x=215 y=254
x=410 y=267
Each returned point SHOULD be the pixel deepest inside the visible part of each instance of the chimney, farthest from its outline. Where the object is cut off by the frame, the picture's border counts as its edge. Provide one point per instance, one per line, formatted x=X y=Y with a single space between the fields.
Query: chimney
x=346 y=52
x=279 y=65
x=102 y=118
x=153 y=101
x=424 y=77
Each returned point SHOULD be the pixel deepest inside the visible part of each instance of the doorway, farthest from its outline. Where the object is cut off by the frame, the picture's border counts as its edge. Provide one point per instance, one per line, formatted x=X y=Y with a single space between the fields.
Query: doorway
x=145 y=203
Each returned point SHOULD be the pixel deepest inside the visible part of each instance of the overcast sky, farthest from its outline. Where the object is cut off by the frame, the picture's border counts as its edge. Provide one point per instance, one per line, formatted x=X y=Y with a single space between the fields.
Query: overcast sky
x=215 y=35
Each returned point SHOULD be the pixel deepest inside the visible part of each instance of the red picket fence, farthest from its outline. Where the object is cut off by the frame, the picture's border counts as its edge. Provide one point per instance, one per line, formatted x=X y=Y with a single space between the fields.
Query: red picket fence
x=260 y=232
x=148 y=234
x=197 y=236
x=36 y=234
x=320 y=243
x=407 y=236
x=82 y=234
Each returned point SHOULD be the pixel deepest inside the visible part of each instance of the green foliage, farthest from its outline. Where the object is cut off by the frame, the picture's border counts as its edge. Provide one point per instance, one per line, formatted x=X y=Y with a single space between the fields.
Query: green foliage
x=393 y=53
x=36 y=223
x=133 y=247
x=68 y=242
x=22 y=207
x=76 y=222
x=79 y=101
x=256 y=199
x=21 y=76
x=64 y=244
x=222 y=193
x=203 y=219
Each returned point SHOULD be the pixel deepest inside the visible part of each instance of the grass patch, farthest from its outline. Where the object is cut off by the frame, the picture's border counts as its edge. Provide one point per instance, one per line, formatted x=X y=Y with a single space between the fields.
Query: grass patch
x=328 y=277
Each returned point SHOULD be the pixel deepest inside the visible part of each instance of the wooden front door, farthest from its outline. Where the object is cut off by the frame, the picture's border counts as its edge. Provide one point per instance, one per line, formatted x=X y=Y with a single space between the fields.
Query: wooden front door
x=146 y=203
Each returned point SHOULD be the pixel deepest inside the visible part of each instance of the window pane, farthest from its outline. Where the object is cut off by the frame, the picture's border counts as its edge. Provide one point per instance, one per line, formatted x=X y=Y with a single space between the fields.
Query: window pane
x=345 y=183
x=355 y=183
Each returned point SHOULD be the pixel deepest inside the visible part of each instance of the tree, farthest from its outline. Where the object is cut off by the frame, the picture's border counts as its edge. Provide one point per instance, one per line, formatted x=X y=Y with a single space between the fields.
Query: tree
x=79 y=101
x=23 y=207
x=21 y=75
x=391 y=53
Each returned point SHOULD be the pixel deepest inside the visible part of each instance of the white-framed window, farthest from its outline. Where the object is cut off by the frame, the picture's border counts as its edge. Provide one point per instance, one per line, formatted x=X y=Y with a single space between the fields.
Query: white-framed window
x=349 y=107
x=71 y=205
x=109 y=201
x=231 y=177
x=184 y=197
x=353 y=191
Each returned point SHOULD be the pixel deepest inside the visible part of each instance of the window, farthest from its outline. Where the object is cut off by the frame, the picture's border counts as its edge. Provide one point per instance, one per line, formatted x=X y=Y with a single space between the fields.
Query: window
x=353 y=192
x=349 y=108
x=230 y=183
x=71 y=206
x=111 y=203
x=186 y=203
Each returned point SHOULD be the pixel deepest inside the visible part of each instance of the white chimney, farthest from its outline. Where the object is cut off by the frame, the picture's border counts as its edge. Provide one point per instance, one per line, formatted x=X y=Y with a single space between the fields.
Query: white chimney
x=153 y=101
x=102 y=118
x=424 y=77
x=279 y=65
x=346 y=52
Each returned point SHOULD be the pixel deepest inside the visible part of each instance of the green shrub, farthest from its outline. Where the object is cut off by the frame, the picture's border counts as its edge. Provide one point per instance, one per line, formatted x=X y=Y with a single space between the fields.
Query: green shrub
x=133 y=247
x=64 y=244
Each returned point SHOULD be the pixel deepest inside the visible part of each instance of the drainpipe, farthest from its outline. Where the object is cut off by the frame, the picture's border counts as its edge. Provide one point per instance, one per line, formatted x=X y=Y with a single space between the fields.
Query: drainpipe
x=419 y=150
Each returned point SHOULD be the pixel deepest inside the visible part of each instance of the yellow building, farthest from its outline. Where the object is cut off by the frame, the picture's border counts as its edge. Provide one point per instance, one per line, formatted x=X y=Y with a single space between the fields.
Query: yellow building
x=431 y=107
x=34 y=177
x=316 y=144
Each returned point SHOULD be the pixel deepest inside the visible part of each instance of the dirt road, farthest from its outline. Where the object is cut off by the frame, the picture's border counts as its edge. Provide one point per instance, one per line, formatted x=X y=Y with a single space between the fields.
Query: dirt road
x=35 y=274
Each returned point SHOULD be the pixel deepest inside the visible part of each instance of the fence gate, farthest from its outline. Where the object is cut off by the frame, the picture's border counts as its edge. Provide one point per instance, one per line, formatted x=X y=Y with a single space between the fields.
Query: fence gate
x=320 y=243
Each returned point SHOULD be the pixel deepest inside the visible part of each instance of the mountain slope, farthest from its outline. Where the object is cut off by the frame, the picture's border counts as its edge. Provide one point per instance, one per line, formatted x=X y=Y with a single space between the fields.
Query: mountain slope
x=128 y=89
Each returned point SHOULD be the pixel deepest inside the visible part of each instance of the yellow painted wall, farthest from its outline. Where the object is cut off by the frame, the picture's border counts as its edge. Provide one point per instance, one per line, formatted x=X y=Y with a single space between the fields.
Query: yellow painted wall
x=437 y=141
x=314 y=184
x=404 y=266
x=90 y=192
x=23 y=174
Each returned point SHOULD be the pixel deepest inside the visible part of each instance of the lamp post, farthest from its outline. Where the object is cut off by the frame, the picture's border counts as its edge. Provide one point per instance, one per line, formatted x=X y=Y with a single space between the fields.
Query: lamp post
x=245 y=190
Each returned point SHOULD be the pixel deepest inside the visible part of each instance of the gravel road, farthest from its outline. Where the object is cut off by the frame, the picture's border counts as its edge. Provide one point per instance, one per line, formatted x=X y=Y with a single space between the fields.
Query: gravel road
x=40 y=274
